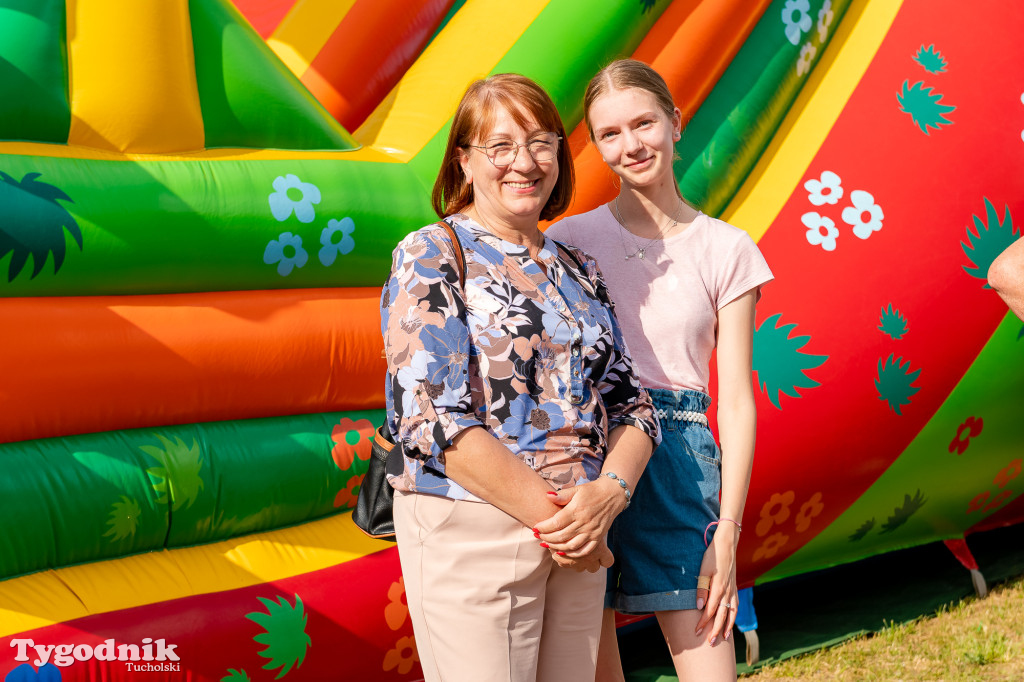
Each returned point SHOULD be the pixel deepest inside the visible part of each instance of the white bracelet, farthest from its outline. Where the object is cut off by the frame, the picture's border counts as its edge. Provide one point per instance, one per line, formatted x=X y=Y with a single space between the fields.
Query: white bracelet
x=622 y=484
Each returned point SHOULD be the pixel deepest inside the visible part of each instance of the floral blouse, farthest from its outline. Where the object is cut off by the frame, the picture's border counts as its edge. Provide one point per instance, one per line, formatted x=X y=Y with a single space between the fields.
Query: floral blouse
x=535 y=358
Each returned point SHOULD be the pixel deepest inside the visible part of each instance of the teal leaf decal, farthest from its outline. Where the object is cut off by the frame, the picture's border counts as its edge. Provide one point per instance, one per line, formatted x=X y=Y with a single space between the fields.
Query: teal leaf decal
x=33 y=224
x=923 y=106
x=124 y=519
x=864 y=529
x=779 y=362
x=894 y=382
x=179 y=478
x=284 y=634
x=901 y=515
x=647 y=5
x=236 y=676
x=931 y=59
x=1021 y=334
x=892 y=323
x=987 y=241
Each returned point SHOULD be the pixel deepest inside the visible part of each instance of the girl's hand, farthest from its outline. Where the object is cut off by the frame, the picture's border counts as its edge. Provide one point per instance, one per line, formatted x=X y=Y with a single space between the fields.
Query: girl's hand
x=721 y=600
x=582 y=524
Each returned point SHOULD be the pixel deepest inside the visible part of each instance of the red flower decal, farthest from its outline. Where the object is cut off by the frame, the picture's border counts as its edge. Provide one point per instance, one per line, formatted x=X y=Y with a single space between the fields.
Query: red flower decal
x=346 y=497
x=998 y=500
x=772 y=544
x=978 y=501
x=403 y=656
x=775 y=510
x=808 y=510
x=972 y=427
x=351 y=440
x=1009 y=472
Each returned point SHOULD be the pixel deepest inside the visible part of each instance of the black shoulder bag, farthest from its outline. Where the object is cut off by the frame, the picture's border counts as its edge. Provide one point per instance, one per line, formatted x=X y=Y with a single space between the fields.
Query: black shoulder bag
x=373 y=513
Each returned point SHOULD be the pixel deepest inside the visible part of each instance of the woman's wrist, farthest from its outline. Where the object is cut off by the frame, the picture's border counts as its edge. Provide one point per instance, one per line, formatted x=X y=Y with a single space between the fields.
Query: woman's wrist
x=618 y=489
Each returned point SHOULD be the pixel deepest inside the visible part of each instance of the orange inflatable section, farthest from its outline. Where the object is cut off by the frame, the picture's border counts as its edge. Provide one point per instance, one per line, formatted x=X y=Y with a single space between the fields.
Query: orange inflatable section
x=87 y=364
x=691 y=45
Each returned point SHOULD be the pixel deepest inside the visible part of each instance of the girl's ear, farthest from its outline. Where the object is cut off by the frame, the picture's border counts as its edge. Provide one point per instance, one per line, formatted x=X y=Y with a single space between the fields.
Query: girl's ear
x=677 y=124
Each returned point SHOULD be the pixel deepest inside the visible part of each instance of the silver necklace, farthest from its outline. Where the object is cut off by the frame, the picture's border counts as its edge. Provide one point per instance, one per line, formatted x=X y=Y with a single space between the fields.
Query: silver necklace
x=641 y=251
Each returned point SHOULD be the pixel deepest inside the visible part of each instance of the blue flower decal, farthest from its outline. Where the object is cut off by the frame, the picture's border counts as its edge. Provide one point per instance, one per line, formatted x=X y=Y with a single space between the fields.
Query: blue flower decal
x=333 y=244
x=287 y=252
x=294 y=195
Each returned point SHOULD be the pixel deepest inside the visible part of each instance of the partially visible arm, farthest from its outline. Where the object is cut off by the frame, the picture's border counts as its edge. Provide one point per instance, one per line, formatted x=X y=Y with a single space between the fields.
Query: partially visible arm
x=1006 y=276
x=478 y=462
x=737 y=425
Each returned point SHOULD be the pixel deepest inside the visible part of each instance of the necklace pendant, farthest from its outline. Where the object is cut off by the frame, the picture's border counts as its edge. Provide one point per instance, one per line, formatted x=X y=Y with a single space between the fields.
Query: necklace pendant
x=641 y=253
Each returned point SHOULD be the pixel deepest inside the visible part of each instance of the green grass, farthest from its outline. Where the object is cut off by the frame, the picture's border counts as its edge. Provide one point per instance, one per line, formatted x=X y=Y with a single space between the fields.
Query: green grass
x=974 y=639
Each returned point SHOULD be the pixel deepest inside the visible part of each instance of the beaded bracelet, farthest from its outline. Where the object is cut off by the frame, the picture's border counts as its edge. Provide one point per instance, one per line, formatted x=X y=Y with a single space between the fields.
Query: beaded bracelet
x=739 y=527
x=622 y=484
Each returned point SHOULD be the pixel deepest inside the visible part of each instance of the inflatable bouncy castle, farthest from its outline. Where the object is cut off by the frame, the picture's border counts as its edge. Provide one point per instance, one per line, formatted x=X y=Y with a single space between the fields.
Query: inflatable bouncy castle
x=198 y=203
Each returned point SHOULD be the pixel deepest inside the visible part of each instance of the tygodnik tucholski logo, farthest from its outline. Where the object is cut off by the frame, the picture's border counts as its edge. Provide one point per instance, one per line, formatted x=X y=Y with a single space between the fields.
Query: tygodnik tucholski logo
x=149 y=656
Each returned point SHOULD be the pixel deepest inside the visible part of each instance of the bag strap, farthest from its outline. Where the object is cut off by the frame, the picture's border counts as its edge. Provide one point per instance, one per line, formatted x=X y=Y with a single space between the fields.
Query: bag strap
x=460 y=256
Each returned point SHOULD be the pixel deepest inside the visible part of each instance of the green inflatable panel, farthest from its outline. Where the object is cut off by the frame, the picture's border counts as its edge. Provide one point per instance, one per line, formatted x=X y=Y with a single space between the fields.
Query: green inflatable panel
x=99 y=496
x=734 y=125
x=206 y=225
x=963 y=466
x=33 y=72
x=248 y=96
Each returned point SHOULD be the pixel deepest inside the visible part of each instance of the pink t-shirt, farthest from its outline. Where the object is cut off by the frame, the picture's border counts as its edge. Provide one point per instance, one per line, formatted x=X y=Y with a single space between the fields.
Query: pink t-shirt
x=667 y=302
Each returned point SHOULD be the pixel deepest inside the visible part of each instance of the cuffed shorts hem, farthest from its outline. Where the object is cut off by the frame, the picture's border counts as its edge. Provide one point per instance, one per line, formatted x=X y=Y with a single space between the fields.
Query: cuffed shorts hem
x=642 y=604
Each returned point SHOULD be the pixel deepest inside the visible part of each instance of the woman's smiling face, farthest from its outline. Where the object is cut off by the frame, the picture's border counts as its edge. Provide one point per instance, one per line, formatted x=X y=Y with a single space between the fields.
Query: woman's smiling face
x=634 y=135
x=511 y=194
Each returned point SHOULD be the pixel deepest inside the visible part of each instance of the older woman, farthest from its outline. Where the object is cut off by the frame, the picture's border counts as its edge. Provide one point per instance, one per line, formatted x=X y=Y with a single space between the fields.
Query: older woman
x=503 y=391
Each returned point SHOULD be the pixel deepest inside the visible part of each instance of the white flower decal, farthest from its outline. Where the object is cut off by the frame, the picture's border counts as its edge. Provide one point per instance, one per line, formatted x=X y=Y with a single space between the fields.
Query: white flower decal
x=821 y=231
x=825 y=17
x=287 y=252
x=828 y=190
x=344 y=244
x=865 y=215
x=796 y=15
x=294 y=195
x=803 y=64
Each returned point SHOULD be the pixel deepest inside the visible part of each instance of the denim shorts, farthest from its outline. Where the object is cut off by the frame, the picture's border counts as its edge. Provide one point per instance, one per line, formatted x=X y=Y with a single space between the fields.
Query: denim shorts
x=658 y=542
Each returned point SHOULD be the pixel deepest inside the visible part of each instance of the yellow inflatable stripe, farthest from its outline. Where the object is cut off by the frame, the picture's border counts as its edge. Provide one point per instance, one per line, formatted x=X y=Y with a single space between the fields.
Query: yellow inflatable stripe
x=469 y=47
x=66 y=152
x=132 y=76
x=304 y=31
x=812 y=116
x=49 y=597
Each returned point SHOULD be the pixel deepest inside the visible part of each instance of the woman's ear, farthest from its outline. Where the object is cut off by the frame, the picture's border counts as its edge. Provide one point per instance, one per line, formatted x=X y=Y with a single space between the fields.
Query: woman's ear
x=467 y=172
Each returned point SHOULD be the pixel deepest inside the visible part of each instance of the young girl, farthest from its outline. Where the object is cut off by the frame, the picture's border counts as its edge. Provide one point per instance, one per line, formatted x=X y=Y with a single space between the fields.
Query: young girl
x=683 y=283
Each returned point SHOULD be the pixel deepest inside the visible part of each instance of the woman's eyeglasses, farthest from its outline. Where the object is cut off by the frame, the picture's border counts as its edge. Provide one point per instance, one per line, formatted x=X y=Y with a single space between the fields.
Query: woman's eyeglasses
x=502 y=153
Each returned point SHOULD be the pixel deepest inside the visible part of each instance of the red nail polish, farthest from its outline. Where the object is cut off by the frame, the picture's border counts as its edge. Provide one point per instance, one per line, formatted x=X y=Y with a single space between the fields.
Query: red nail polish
x=535 y=531
x=552 y=493
x=536 y=535
x=560 y=553
x=544 y=545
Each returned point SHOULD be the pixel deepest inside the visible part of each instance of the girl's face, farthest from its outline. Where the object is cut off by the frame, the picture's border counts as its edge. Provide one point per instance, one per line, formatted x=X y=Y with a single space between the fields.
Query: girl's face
x=634 y=136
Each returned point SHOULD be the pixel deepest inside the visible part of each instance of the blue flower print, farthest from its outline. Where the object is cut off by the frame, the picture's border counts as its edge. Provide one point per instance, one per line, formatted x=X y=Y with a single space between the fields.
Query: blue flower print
x=294 y=195
x=332 y=244
x=287 y=252
x=451 y=349
x=531 y=423
x=410 y=377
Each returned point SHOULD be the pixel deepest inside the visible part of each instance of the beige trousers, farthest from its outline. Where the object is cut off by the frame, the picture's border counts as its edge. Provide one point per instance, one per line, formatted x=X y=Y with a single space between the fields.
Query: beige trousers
x=487 y=601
